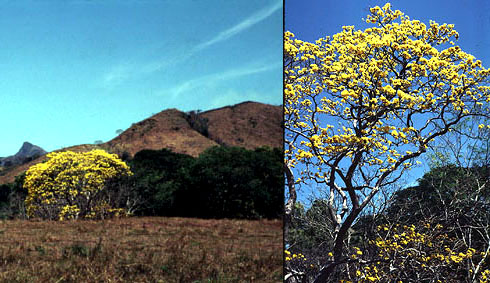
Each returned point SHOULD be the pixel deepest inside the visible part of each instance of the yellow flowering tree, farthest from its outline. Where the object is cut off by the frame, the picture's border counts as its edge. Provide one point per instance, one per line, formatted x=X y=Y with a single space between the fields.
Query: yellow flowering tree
x=362 y=105
x=437 y=231
x=423 y=253
x=70 y=185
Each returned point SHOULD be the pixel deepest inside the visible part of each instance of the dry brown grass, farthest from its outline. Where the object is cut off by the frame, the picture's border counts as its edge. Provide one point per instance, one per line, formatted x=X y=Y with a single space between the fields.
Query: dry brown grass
x=149 y=249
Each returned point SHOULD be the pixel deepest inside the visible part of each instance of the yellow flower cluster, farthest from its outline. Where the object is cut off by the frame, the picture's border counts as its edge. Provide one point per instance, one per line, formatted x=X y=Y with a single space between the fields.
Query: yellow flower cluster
x=368 y=274
x=357 y=252
x=68 y=181
x=292 y=256
x=405 y=246
x=371 y=86
x=68 y=212
x=485 y=276
x=104 y=210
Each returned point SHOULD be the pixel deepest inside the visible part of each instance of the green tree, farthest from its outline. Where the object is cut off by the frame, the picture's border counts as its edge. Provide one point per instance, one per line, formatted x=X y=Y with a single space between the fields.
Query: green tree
x=12 y=198
x=70 y=185
x=234 y=182
x=158 y=177
x=221 y=183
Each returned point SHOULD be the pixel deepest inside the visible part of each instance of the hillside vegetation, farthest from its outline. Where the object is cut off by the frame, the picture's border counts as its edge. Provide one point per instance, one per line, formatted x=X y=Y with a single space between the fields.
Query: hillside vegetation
x=248 y=125
x=223 y=182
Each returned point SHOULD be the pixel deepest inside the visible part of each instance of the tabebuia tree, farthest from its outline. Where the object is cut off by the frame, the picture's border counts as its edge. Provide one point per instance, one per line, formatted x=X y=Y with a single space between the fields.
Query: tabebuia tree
x=70 y=185
x=362 y=105
x=437 y=230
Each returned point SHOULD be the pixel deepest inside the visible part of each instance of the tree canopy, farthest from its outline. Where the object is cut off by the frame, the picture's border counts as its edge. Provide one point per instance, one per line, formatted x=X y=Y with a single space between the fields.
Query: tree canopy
x=362 y=105
x=69 y=184
x=223 y=182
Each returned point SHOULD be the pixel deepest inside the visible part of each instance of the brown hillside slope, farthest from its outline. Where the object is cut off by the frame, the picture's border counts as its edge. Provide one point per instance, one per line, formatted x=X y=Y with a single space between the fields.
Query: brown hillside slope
x=248 y=124
x=167 y=129
x=10 y=175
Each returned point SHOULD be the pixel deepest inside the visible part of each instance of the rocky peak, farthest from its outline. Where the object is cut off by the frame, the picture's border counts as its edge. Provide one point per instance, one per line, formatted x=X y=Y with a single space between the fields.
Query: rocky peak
x=29 y=150
x=25 y=154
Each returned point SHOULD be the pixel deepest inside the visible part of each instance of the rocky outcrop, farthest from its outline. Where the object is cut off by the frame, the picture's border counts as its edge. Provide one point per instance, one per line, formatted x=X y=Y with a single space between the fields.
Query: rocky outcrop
x=26 y=153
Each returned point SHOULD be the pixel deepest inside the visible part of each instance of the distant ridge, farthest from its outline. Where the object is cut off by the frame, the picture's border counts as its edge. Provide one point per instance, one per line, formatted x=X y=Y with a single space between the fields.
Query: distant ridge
x=26 y=153
x=248 y=124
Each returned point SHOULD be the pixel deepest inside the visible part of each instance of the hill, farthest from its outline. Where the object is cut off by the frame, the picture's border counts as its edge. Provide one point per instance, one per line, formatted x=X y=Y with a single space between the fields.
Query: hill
x=167 y=129
x=26 y=153
x=248 y=124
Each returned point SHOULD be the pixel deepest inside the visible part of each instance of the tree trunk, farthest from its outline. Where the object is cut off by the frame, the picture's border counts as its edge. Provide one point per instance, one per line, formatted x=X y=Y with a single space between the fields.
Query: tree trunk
x=289 y=207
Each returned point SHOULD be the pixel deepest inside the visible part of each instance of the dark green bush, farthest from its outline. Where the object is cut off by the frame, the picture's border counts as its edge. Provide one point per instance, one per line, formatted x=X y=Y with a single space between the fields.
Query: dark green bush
x=236 y=183
x=223 y=182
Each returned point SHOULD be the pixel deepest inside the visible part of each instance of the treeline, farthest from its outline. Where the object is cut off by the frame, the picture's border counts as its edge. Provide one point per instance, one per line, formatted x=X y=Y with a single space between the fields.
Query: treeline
x=223 y=182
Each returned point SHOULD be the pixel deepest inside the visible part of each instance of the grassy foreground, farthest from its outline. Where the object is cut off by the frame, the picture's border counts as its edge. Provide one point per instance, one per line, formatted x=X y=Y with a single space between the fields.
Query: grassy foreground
x=148 y=249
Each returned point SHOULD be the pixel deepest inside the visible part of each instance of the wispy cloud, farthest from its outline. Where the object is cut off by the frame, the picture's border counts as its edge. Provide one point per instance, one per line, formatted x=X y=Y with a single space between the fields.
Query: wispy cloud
x=243 y=25
x=123 y=72
x=116 y=75
x=212 y=79
x=252 y=20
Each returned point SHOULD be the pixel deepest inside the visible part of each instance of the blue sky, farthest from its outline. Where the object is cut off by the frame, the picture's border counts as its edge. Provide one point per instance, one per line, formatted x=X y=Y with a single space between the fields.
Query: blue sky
x=74 y=72
x=310 y=20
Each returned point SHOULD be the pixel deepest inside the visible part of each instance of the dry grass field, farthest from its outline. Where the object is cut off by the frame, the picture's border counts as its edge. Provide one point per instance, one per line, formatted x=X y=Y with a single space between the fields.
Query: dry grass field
x=148 y=249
